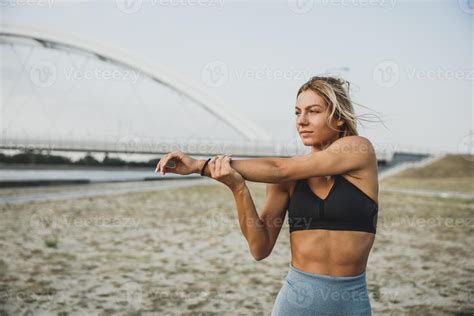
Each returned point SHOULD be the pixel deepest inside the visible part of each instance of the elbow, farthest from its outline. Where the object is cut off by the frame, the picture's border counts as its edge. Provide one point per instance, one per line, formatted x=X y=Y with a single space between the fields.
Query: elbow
x=259 y=257
x=259 y=254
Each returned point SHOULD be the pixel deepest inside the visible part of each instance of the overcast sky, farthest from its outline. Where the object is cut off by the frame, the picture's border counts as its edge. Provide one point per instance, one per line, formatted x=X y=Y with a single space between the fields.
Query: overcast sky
x=410 y=61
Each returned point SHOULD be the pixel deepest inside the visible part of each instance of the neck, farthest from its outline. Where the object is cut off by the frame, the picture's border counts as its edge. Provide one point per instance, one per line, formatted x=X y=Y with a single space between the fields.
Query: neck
x=321 y=147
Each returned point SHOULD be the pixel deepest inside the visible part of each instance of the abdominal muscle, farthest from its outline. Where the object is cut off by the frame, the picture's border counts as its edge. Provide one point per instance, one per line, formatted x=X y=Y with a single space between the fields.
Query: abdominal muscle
x=330 y=252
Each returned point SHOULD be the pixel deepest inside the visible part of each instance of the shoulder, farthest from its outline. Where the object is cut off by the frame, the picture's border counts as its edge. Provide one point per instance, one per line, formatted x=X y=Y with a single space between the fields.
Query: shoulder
x=346 y=154
x=359 y=148
x=353 y=145
x=356 y=142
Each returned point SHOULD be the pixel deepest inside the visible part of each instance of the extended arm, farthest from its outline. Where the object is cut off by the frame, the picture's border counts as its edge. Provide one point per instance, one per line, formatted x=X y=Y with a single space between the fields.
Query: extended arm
x=343 y=155
x=265 y=170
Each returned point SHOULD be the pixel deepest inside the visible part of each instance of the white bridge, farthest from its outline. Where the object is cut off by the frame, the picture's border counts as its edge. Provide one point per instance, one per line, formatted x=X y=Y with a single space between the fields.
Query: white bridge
x=255 y=140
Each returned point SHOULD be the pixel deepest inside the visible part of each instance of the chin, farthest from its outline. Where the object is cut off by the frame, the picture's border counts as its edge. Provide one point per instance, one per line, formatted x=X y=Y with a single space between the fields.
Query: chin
x=307 y=142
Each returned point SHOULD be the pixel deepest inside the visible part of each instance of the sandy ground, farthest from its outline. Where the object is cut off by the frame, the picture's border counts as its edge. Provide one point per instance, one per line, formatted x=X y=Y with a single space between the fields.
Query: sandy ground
x=180 y=252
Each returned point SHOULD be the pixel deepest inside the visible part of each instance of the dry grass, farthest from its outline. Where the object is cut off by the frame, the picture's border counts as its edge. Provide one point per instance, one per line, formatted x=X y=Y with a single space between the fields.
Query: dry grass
x=452 y=173
x=181 y=252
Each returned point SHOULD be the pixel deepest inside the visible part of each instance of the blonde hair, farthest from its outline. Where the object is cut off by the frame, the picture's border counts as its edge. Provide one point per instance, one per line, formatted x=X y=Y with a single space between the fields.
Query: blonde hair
x=334 y=92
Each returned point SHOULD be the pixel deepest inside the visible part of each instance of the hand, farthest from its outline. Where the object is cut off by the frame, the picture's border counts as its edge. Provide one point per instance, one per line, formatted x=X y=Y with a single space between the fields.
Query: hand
x=184 y=164
x=222 y=171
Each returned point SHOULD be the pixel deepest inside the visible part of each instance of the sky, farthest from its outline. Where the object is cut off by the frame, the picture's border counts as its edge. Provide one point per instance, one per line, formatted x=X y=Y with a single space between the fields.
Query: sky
x=409 y=62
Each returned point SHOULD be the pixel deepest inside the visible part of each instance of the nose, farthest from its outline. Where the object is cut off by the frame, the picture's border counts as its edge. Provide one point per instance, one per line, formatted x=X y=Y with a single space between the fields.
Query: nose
x=301 y=119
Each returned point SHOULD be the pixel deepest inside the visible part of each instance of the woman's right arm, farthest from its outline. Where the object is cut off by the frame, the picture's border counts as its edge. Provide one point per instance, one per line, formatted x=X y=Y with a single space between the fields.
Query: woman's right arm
x=261 y=231
x=264 y=169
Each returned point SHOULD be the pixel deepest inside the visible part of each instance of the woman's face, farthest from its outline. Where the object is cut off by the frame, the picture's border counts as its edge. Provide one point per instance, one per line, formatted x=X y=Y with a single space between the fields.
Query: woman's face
x=311 y=113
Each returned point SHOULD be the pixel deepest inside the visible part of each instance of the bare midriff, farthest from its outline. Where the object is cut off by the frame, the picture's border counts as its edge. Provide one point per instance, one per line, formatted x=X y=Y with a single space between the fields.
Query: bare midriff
x=331 y=252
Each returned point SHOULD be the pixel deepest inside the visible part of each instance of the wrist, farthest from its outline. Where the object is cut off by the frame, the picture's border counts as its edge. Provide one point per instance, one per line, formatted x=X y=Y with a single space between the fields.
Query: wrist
x=238 y=188
x=198 y=166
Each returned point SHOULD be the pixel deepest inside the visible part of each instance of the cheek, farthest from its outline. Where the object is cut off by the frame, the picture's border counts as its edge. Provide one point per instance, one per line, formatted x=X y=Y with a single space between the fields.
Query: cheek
x=318 y=121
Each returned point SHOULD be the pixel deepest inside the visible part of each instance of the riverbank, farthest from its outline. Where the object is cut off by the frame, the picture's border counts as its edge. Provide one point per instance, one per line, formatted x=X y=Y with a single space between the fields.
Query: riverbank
x=180 y=251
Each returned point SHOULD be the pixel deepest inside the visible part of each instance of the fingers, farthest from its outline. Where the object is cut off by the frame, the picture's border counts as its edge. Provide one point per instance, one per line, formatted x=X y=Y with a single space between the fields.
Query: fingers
x=160 y=163
x=225 y=167
x=219 y=165
x=216 y=164
x=165 y=162
x=212 y=166
x=161 y=166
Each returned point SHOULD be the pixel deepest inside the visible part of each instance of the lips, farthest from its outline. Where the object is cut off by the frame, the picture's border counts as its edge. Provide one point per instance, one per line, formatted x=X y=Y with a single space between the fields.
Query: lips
x=305 y=132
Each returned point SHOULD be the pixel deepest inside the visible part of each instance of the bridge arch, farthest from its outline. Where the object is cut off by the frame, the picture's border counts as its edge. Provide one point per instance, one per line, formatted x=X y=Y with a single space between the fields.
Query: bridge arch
x=155 y=71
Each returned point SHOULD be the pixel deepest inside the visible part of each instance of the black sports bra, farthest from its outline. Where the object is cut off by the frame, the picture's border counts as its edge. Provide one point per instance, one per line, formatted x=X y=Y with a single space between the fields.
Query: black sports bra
x=345 y=208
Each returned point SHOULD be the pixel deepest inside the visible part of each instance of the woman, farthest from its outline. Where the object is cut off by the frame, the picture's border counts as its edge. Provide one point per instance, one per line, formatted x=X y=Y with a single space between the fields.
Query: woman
x=331 y=198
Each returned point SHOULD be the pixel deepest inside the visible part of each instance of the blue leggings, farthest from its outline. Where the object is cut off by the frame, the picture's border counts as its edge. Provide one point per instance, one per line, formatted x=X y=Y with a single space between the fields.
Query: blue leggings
x=305 y=293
